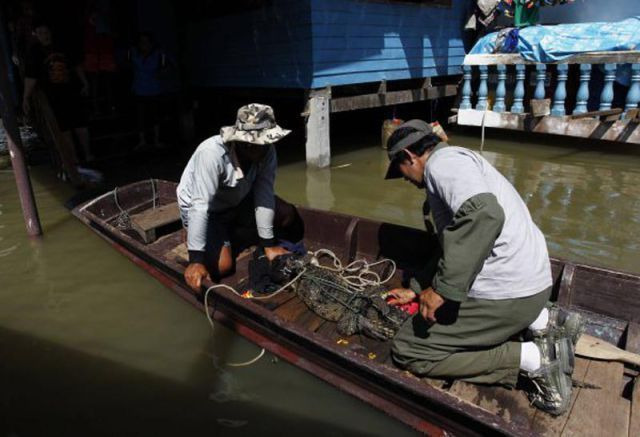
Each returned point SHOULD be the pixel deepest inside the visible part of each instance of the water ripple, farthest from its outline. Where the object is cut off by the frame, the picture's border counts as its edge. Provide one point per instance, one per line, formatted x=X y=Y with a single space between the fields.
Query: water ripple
x=8 y=251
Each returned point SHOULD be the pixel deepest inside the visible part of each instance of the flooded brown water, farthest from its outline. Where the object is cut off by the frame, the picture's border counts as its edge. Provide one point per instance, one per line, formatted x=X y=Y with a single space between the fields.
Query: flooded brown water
x=91 y=345
x=585 y=200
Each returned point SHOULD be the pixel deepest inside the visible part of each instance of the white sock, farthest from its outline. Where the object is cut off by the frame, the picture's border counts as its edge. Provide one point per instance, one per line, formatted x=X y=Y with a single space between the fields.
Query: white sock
x=530 y=358
x=541 y=321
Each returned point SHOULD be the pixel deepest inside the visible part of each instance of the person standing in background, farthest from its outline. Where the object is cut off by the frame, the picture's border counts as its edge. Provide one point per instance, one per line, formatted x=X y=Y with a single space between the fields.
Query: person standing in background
x=99 y=55
x=148 y=63
x=62 y=79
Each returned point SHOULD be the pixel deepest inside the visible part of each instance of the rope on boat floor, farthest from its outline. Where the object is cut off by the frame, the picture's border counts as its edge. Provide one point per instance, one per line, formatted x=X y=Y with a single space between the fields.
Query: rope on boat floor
x=123 y=221
x=353 y=274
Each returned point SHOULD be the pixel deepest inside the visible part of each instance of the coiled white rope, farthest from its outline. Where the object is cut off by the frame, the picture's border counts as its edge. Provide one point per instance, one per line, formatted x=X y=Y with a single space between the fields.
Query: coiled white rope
x=358 y=281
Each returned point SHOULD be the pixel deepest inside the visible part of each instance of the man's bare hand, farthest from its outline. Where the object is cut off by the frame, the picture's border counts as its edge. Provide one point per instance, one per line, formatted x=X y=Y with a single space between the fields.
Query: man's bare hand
x=194 y=274
x=400 y=296
x=275 y=251
x=430 y=301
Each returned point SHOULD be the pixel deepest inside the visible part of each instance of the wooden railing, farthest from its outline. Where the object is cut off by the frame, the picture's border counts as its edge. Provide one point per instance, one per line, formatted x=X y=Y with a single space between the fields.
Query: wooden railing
x=504 y=64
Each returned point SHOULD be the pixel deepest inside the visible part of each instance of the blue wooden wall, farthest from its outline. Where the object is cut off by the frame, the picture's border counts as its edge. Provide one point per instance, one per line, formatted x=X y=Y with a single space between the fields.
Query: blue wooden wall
x=265 y=47
x=315 y=43
x=357 y=41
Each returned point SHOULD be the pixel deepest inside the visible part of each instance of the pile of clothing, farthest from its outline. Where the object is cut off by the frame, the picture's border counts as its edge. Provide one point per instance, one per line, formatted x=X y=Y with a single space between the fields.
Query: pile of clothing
x=523 y=12
x=483 y=15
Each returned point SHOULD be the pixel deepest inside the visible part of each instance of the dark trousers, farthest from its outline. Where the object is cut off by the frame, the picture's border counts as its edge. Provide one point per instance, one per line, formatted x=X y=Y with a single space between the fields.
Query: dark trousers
x=471 y=340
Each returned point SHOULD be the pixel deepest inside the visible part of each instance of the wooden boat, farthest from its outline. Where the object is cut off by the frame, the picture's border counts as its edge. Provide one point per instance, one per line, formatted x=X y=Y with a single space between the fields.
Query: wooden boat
x=361 y=366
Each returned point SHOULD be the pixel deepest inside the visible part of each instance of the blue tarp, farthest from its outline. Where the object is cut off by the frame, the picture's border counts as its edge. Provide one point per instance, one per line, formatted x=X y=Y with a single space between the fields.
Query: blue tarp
x=555 y=43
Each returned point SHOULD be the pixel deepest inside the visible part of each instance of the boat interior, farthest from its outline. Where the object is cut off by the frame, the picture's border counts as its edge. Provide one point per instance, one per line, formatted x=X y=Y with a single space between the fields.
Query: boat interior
x=606 y=399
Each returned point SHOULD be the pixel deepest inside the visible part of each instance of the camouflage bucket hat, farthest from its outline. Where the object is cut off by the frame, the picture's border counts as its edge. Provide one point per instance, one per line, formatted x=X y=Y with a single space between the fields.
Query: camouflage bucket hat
x=255 y=124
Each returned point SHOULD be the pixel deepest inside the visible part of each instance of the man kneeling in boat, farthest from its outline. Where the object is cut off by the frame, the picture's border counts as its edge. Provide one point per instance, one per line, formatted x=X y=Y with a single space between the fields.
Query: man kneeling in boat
x=226 y=195
x=491 y=283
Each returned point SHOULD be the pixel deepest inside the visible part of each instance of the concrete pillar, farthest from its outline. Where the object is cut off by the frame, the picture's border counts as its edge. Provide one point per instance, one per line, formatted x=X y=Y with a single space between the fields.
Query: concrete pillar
x=318 y=145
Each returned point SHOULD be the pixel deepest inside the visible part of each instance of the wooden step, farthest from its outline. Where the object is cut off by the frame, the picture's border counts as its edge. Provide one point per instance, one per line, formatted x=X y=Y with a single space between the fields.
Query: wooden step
x=146 y=222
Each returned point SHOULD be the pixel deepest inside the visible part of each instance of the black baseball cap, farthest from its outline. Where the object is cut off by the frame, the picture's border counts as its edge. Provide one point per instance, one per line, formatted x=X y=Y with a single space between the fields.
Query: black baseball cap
x=418 y=130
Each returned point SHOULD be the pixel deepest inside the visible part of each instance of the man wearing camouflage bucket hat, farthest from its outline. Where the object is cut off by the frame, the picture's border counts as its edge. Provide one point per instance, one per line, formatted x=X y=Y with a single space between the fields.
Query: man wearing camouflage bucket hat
x=226 y=196
x=491 y=281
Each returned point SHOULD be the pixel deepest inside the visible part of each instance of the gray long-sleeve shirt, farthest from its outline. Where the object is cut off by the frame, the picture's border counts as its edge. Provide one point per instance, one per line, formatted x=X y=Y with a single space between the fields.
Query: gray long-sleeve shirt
x=213 y=182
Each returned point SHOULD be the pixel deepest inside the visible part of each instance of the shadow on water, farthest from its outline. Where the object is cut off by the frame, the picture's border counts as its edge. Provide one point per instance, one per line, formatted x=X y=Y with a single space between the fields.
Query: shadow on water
x=49 y=389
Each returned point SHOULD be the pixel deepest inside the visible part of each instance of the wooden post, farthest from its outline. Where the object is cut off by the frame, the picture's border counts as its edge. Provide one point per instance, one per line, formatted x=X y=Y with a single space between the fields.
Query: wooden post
x=382 y=92
x=20 y=171
x=633 y=96
x=518 y=92
x=561 y=91
x=582 y=97
x=482 y=88
x=607 y=92
x=501 y=91
x=318 y=145
x=466 y=88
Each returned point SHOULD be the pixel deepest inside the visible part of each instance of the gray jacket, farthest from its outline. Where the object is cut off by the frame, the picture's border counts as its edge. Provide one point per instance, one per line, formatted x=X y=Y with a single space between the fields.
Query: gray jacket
x=492 y=249
x=213 y=182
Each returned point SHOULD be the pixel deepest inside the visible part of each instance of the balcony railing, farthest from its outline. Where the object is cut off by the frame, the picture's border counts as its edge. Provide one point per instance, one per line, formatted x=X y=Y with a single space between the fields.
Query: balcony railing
x=511 y=70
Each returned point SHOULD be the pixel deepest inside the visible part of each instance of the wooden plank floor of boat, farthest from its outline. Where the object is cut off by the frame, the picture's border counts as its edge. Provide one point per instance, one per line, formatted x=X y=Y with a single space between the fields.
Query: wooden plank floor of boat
x=593 y=412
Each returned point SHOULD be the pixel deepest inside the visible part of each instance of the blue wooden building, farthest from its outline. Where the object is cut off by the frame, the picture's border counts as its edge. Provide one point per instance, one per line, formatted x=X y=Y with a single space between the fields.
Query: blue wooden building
x=321 y=46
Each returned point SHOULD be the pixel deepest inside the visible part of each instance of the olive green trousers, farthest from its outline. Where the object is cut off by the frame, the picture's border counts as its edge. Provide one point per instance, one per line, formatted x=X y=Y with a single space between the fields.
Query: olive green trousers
x=471 y=341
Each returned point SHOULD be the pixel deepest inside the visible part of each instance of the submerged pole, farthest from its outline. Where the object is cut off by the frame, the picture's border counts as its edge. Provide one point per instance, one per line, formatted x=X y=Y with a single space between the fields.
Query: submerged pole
x=12 y=131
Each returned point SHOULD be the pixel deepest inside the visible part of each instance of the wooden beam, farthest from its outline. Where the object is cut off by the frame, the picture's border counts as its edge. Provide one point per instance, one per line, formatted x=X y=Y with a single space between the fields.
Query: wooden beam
x=621 y=57
x=564 y=294
x=388 y=98
x=623 y=131
x=632 y=114
x=605 y=113
x=633 y=338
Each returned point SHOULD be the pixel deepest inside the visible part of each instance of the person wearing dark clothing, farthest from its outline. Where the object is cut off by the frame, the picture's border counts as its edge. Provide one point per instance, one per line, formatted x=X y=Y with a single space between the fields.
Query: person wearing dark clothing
x=148 y=63
x=61 y=77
